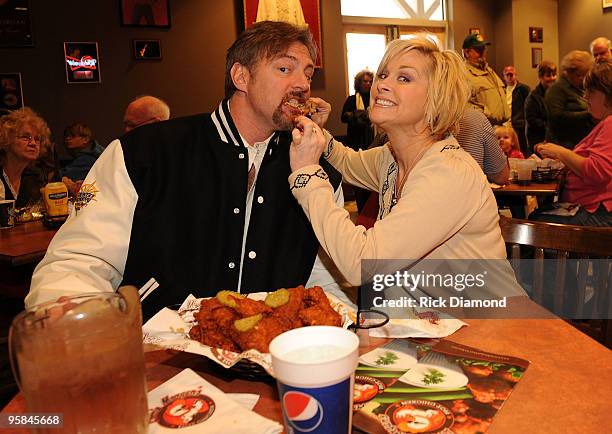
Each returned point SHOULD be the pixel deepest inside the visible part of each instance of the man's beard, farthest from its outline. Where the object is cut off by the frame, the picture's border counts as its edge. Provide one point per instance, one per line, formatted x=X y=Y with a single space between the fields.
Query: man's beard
x=283 y=121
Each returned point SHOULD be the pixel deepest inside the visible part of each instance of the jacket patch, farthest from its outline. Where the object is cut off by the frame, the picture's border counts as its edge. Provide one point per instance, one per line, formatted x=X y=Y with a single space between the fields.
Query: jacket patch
x=86 y=194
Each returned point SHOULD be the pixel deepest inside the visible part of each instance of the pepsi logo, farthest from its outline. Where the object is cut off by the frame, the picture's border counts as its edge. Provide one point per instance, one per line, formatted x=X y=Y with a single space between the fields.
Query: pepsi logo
x=303 y=412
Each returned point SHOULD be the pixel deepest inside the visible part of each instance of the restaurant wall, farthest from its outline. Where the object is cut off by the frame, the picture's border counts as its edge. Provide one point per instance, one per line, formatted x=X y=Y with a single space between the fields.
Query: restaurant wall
x=466 y=14
x=529 y=13
x=580 y=22
x=189 y=77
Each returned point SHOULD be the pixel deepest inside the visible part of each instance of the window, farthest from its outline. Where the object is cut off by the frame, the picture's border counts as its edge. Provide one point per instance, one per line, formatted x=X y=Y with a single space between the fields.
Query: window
x=407 y=9
x=364 y=51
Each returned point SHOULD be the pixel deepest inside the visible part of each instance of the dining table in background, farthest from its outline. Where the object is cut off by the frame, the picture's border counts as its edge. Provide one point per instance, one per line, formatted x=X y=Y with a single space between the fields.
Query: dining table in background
x=538 y=189
x=21 y=248
x=565 y=389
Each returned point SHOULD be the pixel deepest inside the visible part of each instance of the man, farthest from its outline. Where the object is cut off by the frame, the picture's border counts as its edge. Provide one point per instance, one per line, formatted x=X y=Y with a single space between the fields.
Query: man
x=488 y=93
x=144 y=110
x=478 y=138
x=516 y=94
x=201 y=203
x=569 y=120
x=536 y=116
x=601 y=49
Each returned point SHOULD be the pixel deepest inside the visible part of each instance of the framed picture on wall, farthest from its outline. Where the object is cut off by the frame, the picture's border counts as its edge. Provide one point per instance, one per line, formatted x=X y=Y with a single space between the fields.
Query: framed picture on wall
x=536 y=34
x=147 y=49
x=82 y=62
x=145 y=13
x=606 y=3
x=15 y=25
x=474 y=31
x=299 y=12
x=536 y=57
x=11 y=92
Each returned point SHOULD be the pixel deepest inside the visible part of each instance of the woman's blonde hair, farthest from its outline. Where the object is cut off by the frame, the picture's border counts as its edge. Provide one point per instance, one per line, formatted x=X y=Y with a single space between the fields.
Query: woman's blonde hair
x=504 y=129
x=14 y=122
x=448 y=87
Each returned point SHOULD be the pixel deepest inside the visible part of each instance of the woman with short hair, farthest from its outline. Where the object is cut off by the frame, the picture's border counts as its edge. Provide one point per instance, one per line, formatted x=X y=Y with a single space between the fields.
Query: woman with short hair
x=569 y=120
x=435 y=201
x=589 y=179
x=535 y=109
x=24 y=139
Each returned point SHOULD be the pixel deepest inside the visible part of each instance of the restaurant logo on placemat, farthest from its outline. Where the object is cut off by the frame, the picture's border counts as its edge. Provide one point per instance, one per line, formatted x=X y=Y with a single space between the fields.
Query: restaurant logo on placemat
x=86 y=194
x=183 y=410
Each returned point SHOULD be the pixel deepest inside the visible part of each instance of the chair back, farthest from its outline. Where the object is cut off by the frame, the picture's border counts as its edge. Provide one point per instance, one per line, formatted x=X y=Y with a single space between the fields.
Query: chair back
x=561 y=242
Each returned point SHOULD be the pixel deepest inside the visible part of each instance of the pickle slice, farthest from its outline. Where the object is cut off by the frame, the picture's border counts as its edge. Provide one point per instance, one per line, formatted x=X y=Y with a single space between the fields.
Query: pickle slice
x=277 y=298
x=226 y=298
x=246 y=324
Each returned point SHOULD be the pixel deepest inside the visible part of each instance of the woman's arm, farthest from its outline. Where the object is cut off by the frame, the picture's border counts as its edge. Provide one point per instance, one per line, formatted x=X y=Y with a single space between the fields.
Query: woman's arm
x=573 y=161
x=407 y=231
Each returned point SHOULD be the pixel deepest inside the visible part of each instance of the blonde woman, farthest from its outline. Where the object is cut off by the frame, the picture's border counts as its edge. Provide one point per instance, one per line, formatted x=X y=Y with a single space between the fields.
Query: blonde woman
x=24 y=139
x=435 y=201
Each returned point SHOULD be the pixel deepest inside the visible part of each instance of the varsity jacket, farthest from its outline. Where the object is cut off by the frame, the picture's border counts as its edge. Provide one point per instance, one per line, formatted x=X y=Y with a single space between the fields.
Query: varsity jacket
x=167 y=201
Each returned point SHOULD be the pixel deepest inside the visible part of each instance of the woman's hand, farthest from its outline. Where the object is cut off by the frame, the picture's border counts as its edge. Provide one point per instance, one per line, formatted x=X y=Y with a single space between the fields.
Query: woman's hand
x=549 y=150
x=323 y=110
x=308 y=144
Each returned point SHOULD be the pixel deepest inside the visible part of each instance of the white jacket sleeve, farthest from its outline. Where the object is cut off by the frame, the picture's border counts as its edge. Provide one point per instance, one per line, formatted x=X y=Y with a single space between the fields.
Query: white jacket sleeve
x=89 y=252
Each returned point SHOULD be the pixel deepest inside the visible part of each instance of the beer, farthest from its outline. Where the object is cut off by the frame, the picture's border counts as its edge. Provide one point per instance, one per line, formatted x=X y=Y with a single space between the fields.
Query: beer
x=91 y=372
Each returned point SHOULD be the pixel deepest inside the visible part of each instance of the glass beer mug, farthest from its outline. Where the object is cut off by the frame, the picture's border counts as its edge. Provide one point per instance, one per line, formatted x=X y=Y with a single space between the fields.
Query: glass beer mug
x=82 y=357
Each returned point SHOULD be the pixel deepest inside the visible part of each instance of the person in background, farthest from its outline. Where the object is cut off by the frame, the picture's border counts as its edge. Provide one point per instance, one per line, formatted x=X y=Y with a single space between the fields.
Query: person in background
x=589 y=179
x=145 y=109
x=488 y=93
x=226 y=170
x=516 y=94
x=509 y=142
x=419 y=94
x=569 y=120
x=601 y=48
x=535 y=109
x=359 y=132
x=78 y=154
x=25 y=139
x=477 y=137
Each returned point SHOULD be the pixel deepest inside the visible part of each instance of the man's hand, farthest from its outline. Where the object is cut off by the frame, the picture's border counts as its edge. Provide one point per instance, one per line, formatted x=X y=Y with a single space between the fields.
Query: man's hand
x=323 y=111
x=308 y=143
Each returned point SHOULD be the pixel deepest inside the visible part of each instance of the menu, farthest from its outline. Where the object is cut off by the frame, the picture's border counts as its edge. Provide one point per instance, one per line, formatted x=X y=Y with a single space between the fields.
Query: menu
x=432 y=386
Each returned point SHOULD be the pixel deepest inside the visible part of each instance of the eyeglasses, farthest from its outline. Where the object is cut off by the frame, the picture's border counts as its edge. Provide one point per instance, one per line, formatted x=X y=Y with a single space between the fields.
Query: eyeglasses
x=29 y=138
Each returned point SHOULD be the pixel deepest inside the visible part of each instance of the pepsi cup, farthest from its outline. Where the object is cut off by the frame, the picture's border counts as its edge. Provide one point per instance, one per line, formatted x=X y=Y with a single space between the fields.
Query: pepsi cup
x=315 y=372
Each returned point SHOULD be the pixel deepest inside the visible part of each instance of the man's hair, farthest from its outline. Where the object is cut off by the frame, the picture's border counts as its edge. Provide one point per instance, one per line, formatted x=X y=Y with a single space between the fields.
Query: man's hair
x=359 y=78
x=155 y=106
x=261 y=41
x=600 y=41
x=576 y=60
x=448 y=86
x=600 y=78
x=546 y=67
x=78 y=129
x=15 y=121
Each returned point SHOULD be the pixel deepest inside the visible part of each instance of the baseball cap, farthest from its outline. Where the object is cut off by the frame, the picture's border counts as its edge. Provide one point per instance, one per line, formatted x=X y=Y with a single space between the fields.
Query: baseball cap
x=474 y=40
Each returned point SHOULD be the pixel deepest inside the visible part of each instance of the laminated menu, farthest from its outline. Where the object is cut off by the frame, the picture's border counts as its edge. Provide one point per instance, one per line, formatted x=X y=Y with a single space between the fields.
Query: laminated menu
x=432 y=386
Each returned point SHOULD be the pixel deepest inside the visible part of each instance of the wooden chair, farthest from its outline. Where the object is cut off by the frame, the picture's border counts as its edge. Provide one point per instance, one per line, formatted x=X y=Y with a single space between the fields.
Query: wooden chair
x=563 y=242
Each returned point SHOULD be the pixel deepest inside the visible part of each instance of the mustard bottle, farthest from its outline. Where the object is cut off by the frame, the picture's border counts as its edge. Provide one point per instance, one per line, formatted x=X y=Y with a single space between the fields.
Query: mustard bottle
x=55 y=196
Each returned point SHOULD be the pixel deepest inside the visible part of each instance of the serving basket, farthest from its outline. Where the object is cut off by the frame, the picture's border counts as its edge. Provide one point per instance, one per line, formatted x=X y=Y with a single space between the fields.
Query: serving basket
x=545 y=174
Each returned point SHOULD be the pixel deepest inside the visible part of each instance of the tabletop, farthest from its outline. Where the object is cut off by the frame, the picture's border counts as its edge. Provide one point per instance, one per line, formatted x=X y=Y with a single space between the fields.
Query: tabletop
x=24 y=243
x=533 y=188
x=565 y=389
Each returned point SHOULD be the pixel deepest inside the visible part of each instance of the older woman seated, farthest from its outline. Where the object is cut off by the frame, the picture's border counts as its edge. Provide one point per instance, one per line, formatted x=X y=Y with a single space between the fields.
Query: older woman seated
x=589 y=179
x=24 y=139
x=435 y=201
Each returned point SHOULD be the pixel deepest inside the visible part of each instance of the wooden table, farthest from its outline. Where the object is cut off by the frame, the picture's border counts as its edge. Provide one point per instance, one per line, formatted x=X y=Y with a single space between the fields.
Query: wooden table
x=567 y=387
x=21 y=248
x=531 y=189
x=25 y=243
